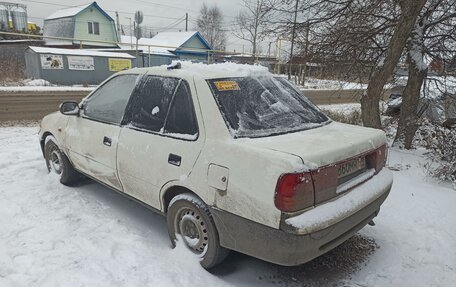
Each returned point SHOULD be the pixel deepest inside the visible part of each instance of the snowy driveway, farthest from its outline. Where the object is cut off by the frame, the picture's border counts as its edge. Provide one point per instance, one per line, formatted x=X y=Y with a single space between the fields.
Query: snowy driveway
x=51 y=235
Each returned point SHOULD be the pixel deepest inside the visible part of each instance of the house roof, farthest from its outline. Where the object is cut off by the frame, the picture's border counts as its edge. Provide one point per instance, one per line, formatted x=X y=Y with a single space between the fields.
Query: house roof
x=127 y=41
x=168 y=42
x=73 y=11
x=74 y=52
x=177 y=39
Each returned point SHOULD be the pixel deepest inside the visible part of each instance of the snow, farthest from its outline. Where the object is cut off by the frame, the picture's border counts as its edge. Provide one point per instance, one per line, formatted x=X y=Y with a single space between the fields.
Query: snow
x=69 y=12
x=345 y=109
x=87 y=235
x=155 y=110
x=329 y=213
x=36 y=83
x=220 y=69
x=355 y=181
x=325 y=84
x=182 y=136
x=79 y=52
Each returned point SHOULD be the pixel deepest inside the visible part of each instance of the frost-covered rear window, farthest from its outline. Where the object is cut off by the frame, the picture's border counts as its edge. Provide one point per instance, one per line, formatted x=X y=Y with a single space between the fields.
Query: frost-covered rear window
x=264 y=106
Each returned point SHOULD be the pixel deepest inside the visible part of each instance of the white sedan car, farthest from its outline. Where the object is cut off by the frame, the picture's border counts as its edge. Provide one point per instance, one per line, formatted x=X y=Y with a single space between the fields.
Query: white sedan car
x=234 y=157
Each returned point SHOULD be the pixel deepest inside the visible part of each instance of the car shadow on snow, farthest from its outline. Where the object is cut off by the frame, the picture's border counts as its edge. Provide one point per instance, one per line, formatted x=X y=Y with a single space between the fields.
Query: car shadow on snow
x=126 y=209
x=331 y=269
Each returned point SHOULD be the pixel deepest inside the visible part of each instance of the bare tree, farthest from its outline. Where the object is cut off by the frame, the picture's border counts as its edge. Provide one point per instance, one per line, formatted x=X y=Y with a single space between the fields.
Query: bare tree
x=352 y=32
x=371 y=31
x=410 y=10
x=209 y=24
x=252 y=22
x=433 y=36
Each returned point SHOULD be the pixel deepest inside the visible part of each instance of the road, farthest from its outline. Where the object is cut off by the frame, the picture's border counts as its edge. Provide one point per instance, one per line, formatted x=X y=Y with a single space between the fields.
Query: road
x=33 y=105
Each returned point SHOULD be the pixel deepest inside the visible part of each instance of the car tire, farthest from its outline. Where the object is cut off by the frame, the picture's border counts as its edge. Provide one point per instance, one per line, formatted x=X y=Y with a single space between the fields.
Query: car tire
x=58 y=163
x=188 y=213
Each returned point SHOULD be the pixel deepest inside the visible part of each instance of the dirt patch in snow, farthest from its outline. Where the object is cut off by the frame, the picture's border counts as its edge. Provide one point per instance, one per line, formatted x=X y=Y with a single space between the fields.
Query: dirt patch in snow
x=22 y=123
x=332 y=268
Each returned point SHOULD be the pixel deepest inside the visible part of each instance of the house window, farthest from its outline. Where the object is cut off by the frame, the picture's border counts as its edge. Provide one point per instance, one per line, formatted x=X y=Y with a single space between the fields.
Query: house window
x=94 y=28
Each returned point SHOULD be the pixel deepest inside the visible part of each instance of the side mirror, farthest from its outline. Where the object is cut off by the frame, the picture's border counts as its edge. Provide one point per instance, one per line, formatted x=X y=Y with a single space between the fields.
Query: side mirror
x=69 y=108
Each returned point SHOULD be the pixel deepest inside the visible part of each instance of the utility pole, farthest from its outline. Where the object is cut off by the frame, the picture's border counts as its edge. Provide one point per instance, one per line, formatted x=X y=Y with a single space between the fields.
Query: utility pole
x=269 y=49
x=306 y=49
x=118 y=27
x=278 y=49
x=293 y=35
x=186 y=22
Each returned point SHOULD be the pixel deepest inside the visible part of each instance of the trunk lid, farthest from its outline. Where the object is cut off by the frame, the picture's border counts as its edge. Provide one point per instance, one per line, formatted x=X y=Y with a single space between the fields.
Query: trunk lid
x=329 y=144
x=338 y=155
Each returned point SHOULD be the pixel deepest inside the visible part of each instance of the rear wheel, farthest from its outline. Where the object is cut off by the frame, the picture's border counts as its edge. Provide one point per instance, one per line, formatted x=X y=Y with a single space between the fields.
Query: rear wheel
x=189 y=220
x=58 y=163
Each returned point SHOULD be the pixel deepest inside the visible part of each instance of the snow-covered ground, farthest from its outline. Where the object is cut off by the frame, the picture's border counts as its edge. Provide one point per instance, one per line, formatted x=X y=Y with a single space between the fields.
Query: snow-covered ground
x=326 y=84
x=52 y=235
x=344 y=109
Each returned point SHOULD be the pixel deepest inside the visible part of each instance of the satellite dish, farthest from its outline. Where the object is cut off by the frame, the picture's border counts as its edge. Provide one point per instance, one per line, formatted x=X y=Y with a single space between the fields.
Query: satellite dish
x=139 y=17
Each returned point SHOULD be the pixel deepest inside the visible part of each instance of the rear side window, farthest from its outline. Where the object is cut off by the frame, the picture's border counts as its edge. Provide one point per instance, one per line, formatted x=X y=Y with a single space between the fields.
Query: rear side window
x=108 y=102
x=181 y=119
x=164 y=105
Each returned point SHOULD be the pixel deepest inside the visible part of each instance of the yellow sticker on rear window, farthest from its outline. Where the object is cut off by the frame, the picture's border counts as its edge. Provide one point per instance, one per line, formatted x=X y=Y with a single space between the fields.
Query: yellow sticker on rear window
x=227 y=86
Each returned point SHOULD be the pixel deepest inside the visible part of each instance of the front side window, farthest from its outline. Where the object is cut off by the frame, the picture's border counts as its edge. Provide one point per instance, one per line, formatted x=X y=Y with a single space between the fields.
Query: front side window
x=108 y=102
x=164 y=105
x=263 y=106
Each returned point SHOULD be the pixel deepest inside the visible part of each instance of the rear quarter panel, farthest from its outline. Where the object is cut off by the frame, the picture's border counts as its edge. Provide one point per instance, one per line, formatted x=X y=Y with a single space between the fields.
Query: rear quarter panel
x=252 y=172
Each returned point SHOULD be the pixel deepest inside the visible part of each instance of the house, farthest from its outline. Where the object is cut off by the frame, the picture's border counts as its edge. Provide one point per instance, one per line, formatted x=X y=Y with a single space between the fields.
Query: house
x=87 y=22
x=166 y=46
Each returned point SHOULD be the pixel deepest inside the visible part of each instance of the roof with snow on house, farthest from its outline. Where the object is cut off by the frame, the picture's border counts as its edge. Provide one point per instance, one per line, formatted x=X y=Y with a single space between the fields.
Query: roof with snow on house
x=166 y=42
x=73 y=11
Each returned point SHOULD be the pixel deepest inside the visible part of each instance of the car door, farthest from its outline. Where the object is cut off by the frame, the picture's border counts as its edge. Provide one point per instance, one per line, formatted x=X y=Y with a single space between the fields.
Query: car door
x=91 y=139
x=161 y=141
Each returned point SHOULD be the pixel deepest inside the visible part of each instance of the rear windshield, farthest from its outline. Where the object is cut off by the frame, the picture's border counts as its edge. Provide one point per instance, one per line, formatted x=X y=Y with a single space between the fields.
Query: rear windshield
x=264 y=106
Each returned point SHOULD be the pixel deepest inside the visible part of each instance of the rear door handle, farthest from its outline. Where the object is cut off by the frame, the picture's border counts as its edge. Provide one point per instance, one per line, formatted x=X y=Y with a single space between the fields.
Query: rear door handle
x=174 y=159
x=107 y=141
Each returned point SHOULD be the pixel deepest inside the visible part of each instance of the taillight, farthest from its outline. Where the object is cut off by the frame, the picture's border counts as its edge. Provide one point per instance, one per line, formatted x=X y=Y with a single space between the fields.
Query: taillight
x=377 y=159
x=298 y=191
x=294 y=191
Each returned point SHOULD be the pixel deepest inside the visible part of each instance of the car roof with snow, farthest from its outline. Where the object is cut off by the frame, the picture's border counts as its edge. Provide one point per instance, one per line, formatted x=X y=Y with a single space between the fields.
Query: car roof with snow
x=189 y=70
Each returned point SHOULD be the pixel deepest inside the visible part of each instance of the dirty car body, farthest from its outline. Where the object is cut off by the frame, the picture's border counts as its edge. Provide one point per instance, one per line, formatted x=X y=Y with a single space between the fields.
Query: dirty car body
x=281 y=181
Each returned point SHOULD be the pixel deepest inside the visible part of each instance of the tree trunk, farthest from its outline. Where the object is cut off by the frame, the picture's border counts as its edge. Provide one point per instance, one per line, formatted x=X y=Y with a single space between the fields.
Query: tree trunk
x=408 y=121
x=410 y=10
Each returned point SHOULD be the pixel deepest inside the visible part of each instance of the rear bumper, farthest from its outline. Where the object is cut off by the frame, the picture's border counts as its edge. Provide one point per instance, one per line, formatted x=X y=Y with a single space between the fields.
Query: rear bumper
x=297 y=242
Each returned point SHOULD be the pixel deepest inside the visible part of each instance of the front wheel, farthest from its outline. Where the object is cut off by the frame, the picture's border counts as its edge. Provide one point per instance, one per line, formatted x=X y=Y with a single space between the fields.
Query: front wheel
x=58 y=163
x=189 y=219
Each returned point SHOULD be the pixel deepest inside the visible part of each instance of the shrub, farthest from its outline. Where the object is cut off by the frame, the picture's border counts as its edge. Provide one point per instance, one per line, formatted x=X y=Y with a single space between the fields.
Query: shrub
x=441 y=142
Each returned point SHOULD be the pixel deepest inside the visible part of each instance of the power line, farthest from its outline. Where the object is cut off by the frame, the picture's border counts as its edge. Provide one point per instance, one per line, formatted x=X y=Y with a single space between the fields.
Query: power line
x=165 y=5
x=112 y=11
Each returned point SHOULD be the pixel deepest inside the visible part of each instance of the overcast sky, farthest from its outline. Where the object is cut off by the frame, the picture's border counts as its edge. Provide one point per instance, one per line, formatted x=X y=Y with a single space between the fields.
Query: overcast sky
x=162 y=15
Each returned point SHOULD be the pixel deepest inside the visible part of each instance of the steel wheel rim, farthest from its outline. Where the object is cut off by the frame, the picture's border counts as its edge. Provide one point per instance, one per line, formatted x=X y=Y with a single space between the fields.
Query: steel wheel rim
x=191 y=227
x=56 y=162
